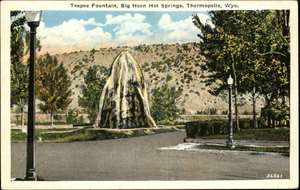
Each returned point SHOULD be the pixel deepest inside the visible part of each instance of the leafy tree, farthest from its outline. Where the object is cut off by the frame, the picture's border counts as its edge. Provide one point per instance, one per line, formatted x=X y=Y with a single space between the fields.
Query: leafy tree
x=94 y=78
x=72 y=116
x=222 y=46
x=274 y=78
x=53 y=85
x=18 y=71
x=271 y=66
x=266 y=62
x=248 y=45
x=164 y=101
x=91 y=90
x=19 y=42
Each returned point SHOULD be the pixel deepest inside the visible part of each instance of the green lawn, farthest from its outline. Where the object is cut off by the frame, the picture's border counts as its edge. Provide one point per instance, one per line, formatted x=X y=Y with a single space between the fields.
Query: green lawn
x=85 y=134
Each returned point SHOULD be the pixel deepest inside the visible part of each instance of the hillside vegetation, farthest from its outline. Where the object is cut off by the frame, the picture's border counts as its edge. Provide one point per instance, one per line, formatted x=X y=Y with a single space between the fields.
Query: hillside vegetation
x=177 y=65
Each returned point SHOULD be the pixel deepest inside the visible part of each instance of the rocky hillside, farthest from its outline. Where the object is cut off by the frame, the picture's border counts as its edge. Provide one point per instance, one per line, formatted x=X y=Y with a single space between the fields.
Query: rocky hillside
x=175 y=64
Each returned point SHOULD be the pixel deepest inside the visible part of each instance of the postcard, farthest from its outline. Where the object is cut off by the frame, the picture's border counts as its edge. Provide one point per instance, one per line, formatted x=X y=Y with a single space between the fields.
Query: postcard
x=149 y=94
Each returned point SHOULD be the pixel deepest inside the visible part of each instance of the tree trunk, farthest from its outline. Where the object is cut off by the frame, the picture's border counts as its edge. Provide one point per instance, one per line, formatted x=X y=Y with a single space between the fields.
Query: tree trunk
x=22 y=118
x=268 y=114
x=237 y=125
x=254 y=109
x=51 y=115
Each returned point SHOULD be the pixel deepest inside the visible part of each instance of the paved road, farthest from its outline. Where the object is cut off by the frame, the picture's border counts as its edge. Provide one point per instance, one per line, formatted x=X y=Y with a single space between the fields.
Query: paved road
x=139 y=159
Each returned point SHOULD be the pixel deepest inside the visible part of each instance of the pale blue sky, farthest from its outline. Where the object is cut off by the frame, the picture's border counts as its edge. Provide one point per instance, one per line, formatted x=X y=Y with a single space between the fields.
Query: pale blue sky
x=53 y=18
x=83 y=30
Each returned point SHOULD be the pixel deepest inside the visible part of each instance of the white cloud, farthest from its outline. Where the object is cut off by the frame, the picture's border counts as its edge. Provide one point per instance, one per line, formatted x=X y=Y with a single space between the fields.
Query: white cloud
x=181 y=30
x=126 y=29
x=128 y=26
x=72 y=35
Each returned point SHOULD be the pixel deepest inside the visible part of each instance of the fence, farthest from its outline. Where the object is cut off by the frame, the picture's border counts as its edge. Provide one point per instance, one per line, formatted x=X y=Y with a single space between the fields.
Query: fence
x=42 y=118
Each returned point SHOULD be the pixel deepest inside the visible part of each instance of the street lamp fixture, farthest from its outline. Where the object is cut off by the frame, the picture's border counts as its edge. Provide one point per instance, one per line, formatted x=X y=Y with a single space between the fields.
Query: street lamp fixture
x=33 y=20
x=230 y=143
x=230 y=80
x=33 y=16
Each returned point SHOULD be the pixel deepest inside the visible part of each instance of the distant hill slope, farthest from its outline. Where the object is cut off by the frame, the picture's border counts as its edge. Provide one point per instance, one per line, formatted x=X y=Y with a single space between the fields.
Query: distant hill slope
x=175 y=64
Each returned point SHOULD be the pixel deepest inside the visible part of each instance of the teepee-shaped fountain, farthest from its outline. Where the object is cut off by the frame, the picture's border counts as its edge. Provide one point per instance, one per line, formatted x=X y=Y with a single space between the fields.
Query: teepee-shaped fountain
x=124 y=102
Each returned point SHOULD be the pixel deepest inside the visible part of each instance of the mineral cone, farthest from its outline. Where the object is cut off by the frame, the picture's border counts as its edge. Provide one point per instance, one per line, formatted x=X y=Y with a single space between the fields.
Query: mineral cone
x=124 y=102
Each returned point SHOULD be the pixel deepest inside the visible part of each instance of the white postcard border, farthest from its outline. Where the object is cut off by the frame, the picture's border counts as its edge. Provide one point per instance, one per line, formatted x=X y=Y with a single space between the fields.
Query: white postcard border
x=7 y=183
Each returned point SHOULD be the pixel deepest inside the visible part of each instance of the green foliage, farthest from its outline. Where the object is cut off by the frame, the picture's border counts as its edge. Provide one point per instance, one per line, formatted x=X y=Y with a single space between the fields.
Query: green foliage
x=251 y=45
x=72 y=117
x=169 y=77
x=218 y=129
x=52 y=84
x=17 y=135
x=19 y=43
x=86 y=133
x=187 y=76
x=275 y=112
x=164 y=103
x=91 y=90
x=19 y=72
x=94 y=80
x=81 y=66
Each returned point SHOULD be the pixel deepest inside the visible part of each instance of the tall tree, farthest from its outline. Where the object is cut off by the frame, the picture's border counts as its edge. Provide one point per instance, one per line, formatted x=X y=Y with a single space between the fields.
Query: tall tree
x=19 y=41
x=91 y=90
x=251 y=24
x=53 y=85
x=274 y=78
x=257 y=42
x=19 y=75
x=223 y=48
x=270 y=47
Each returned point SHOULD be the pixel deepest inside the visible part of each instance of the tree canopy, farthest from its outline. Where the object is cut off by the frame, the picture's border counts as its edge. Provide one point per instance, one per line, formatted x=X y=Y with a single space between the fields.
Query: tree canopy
x=91 y=90
x=19 y=42
x=53 y=85
x=164 y=103
x=253 y=44
x=19 y=75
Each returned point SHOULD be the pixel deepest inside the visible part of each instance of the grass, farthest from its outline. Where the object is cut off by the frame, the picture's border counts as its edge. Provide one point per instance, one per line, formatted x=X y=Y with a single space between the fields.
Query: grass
x=272 y=134
x=284 y=150
x=17 y=135
x=88 y=134
x=84 y=134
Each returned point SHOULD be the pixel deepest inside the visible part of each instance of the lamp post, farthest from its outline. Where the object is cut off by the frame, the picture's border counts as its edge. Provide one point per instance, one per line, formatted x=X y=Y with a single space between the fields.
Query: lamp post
x=230 y=143
x=33 y=21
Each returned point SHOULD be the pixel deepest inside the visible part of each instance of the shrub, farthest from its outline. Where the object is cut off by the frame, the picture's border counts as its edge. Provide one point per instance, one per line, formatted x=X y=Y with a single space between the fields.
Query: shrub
x=203 y=128
x=246 y=112
x=275 y=113
x=210 y=111
x=168 y=78
x=164 y=103
x=71 y=117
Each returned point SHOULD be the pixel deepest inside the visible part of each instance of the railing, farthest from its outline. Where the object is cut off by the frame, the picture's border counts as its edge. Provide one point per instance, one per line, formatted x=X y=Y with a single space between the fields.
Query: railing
x=42 y=118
